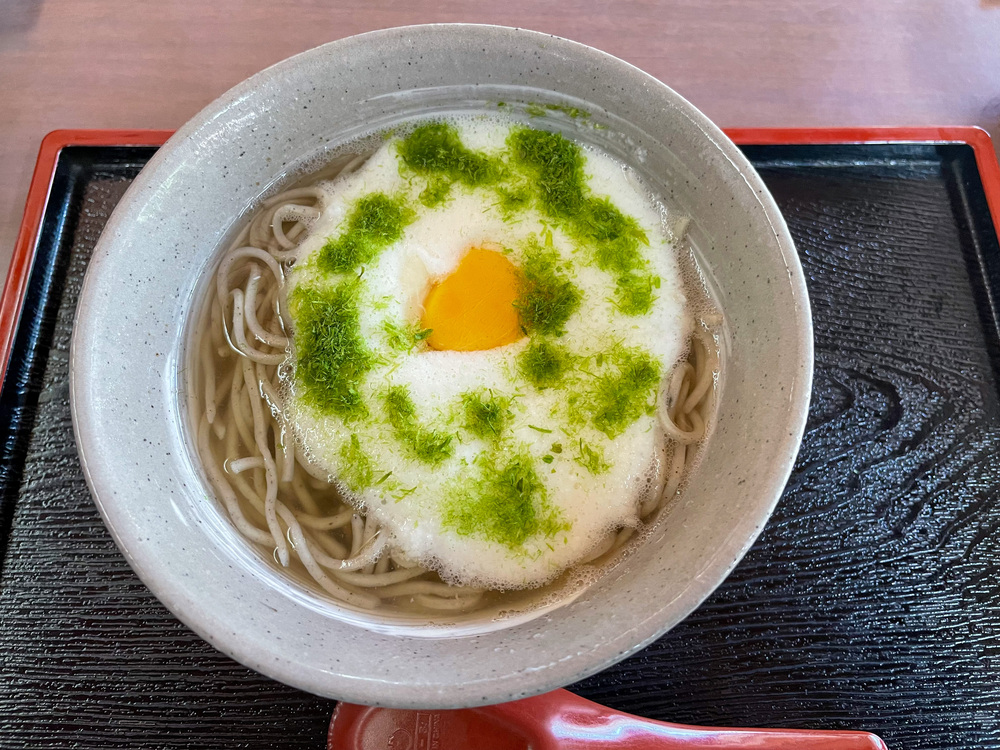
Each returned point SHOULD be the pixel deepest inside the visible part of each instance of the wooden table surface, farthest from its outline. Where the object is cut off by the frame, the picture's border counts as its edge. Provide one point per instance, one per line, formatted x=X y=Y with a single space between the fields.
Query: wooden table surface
x=108 y=64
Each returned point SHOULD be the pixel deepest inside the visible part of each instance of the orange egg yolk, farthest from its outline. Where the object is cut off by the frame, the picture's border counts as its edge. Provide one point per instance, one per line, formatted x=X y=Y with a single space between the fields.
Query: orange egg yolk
x=472 y=308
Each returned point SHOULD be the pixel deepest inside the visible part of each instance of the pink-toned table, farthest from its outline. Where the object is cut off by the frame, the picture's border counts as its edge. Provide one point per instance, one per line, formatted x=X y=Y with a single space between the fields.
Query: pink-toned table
x=746 y=63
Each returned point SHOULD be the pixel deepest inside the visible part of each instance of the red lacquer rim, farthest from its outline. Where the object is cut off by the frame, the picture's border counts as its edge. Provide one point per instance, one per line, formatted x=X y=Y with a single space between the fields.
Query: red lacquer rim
x=977 y=138
x=48 y=155
x=34 y=209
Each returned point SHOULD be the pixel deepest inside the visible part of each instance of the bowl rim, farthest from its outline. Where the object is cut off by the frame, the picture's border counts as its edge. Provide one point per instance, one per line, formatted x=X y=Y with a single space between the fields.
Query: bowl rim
x=378 y=691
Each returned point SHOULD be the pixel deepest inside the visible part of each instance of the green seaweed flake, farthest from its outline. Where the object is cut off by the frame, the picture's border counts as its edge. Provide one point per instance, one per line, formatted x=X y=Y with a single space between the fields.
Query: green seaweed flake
x=634 y=293
x=487 y=415
x=356 y=466
x=427 y=445
x=557 y=164
x=506 y=504
x=512 y=200
x=436 y=192
x=546 y=298
x=543 y=364
x=615 y=238
x=573 y=112
x=374 y=222
x=591 y=458
x=533 y=109
x=403 y=338
x=435 y=150
x=625 y=392
x=332 y=359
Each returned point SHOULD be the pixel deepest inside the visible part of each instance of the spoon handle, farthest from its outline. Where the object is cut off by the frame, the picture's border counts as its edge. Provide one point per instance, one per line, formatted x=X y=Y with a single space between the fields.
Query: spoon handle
x=561 y=720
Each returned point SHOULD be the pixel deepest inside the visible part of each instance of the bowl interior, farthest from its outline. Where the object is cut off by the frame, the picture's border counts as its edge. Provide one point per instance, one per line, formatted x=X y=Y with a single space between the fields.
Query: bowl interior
x=152 y=264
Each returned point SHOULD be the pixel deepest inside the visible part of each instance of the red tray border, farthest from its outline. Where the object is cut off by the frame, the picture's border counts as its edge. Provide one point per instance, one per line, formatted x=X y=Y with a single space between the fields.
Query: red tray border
x=48 y=155
x=21 y=261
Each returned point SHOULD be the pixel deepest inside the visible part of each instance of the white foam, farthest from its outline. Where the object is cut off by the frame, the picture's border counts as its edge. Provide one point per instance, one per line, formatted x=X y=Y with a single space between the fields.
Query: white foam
x=396 y=284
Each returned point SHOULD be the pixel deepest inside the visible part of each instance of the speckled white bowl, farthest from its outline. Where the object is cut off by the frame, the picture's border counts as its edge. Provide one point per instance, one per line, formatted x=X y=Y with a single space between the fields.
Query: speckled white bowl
x=151 y=263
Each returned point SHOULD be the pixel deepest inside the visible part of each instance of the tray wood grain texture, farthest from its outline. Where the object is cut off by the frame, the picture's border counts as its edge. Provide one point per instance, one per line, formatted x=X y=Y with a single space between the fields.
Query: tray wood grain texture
x=871 y=601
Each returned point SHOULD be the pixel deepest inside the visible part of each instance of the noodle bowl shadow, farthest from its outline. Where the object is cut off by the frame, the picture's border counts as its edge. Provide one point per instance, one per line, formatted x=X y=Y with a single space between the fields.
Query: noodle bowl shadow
x=149 y=271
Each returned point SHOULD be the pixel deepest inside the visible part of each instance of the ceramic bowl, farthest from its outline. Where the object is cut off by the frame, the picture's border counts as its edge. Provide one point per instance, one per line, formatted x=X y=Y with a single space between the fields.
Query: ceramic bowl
x=151 y=265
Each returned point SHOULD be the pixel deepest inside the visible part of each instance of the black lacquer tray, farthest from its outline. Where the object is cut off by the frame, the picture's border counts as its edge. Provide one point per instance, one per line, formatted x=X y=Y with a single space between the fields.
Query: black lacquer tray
x=871 y=600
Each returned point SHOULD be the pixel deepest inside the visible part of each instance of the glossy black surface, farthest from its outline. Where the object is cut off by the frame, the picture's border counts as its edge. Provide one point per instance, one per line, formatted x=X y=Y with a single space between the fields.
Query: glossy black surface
x=871 y=600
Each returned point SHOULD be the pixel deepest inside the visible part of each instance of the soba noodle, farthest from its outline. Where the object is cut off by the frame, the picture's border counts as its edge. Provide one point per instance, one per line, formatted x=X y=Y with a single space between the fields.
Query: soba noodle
x=280 y=503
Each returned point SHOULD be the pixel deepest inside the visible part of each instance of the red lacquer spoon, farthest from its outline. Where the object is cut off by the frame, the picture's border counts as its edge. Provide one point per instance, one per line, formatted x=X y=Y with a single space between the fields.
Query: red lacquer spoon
x=559 y=720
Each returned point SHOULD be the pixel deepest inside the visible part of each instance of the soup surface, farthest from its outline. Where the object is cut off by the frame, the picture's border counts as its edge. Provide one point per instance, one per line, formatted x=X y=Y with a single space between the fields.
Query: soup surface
x=460 y=364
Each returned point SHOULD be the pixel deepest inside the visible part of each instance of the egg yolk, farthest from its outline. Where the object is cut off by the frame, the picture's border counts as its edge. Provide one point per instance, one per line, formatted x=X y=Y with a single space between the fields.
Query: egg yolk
x=472 y=308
